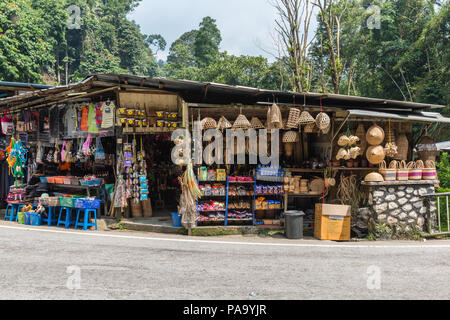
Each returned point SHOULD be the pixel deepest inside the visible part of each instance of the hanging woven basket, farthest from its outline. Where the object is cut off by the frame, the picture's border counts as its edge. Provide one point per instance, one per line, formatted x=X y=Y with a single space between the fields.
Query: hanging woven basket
x=208 y=123
x=322 y=120
x=306 y=118
x=311 y=127
x=361 y=134
x=241 y=123
x=293 y=119
x=402 y=147
x=290 y=136
x=223 y=124
x=256 y=123
x=274 y=118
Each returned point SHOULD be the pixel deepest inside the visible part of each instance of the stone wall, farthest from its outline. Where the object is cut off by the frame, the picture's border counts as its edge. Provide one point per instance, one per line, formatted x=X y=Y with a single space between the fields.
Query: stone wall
x=402 y=205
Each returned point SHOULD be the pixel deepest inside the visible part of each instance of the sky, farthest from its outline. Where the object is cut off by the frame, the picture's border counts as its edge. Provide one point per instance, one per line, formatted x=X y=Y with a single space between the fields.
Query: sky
x=246 y=26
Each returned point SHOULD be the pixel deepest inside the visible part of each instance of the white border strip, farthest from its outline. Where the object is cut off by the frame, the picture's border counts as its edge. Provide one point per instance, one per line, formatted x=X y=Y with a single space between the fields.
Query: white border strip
x=301 y=245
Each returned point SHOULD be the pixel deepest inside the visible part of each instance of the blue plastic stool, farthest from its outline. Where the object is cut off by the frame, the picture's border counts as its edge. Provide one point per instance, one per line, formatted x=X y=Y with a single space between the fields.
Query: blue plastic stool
x=10 y=212
x=66 y=221
x=49 y=219
x=85 y=224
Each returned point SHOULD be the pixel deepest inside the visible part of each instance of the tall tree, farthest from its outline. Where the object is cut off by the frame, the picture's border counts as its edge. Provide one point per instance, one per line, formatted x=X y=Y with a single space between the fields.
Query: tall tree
x=293 y=30
x=207 y=41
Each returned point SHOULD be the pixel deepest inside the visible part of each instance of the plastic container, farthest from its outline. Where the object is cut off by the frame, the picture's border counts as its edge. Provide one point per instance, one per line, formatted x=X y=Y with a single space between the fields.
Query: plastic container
x=43 y=179
x=27 y=218
x=20 y=218
x=91 y=183
x=50 y=179
x=59 y=180
x=176 y=219
x=66 y=202
x=294 y=224
x=87 y=204
x=35 y=219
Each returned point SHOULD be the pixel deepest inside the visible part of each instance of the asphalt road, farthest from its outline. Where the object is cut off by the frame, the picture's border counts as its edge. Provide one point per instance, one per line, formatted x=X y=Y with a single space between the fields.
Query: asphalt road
x=50 y=263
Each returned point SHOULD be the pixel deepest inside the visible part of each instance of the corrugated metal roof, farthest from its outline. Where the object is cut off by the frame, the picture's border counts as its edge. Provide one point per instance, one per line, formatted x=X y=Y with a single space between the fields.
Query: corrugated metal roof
x=216 y=93
x=409 y=116
x=209 y=92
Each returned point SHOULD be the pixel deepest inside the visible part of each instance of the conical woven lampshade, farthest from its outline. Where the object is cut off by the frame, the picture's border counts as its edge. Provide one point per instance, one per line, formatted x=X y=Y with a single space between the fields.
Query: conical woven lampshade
x=241 y=122
x=256 y=123
x=223 y=124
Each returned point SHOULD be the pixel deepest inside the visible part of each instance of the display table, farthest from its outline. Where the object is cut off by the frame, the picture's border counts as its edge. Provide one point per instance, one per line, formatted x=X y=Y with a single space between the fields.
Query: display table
x=87 y=189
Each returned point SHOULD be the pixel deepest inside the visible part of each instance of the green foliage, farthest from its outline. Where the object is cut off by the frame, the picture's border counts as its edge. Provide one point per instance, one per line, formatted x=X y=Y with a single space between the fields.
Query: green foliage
x=443 y=167
x=207 y=41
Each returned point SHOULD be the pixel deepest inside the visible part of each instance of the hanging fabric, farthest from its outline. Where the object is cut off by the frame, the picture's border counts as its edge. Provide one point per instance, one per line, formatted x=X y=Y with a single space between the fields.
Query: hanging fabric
x=7 y=124
x=84 y=118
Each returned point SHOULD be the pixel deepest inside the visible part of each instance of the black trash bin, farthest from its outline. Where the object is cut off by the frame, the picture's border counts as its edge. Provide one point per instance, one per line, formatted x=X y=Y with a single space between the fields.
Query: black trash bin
x=294 y=224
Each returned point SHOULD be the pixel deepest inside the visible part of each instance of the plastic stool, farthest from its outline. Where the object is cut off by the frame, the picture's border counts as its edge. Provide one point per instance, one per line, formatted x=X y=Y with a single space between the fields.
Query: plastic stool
x=10 y=212
x=49 y=219
x=67 y=220
x=85 y=224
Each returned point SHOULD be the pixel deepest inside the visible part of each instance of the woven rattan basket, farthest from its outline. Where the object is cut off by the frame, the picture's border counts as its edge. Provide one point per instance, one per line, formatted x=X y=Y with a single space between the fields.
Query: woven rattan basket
x=343 y=141
x=311 y=127
x=274 y=118
x=306 y=118
x=223 y=124
x=290 y=136
x=256 y=123
x=293 y=119
x=327 y=129
x=402 y=147
x=322 y=120
x=241 y=122
x=361 y=134
x=426 y=149
x=208 y=123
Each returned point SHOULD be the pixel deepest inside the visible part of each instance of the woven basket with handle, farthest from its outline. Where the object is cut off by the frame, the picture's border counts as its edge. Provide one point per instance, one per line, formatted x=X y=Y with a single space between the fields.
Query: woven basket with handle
x=429 y=172
x=389 y=174
x=402 y=171
x=415 y=170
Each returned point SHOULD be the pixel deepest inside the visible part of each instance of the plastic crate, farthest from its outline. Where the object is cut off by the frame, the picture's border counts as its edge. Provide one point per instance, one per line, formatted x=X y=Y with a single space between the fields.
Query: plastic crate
x=66 y=202
x=67 y=180
x=91 y=183
x=43 y=179
x=35 y=219
x=87 y=204
x=50 y=201
x=26 y=218
x=59 y=180
x=51 y=179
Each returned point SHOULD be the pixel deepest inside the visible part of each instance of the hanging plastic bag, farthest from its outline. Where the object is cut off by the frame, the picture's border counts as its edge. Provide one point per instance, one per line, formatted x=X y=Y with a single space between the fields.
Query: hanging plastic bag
x=86 y=150
x=7 y=124
x=100 y=152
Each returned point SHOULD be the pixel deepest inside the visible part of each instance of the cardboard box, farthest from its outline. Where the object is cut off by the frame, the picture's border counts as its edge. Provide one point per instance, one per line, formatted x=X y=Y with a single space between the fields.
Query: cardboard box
x=332 y=222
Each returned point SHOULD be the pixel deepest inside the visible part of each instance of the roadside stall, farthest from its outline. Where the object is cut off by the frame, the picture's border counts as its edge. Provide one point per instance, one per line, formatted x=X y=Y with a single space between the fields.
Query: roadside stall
x=104 y=145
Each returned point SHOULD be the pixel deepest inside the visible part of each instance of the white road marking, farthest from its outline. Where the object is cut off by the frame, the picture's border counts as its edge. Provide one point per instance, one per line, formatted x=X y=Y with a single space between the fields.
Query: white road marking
x=302 y=245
